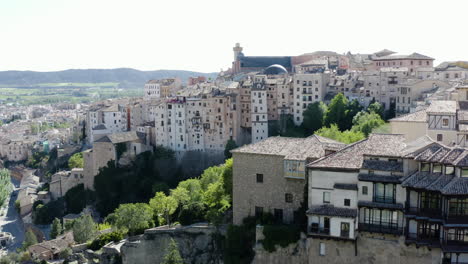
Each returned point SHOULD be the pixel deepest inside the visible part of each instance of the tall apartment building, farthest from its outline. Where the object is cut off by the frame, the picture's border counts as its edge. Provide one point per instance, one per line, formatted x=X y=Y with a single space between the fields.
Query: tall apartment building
x=308 y=88
x=259 y=111
x=204 y=122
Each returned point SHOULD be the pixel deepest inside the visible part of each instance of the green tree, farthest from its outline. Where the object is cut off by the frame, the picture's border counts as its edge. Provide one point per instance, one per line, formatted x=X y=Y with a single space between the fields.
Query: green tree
x=353 y=108
x=84 y=228
x=216 y=201
x=334 y=133
x=65 y=253
x=133 y=218
x=56 y=228
x=227 y=177
x=314 y=117
x=163 y=207
x=173 y=255
x=29 y=239
x=377 y=108
x=5 y=185
x=365 y=122
x=76 y=161
x=336 y=113
x=230 y=145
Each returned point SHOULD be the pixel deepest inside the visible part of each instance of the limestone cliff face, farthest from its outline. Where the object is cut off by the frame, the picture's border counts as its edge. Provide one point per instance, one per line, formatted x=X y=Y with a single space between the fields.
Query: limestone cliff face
x=196 y=245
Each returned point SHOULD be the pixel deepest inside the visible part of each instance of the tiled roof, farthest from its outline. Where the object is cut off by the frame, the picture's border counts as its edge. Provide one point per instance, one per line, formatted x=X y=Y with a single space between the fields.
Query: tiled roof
x=382 y=165
x=426 y=154
x=415 y=56
x=428 y=181
x=398 y=206
x=346 y=186
x=292 y=148
x=379 y=178
x=418 y=116
x=100 y=127
x=122 y=137
x=330 y=210
x=458 y=186
x=351 y=157
x=442 y=107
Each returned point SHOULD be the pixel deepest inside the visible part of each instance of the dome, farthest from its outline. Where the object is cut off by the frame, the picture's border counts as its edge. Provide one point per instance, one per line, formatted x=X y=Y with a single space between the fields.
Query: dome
x=275 y=69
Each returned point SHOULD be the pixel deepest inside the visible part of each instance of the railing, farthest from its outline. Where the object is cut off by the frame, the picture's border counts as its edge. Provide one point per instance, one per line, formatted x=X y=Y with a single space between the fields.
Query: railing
x=315 y=229
x=344 y=234
x=428 y=212
x=389 y=229
x=419 y=239
x=383 y=199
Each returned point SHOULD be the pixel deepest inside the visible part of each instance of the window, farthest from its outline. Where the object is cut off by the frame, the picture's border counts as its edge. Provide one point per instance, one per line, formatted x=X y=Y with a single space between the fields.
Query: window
x=278 y=214
x=347 y=202
x=259 y=177
x=258 y=211
x=371 y=172
x=365 y=190
x=464 y=172
x=425 y=167
x=322 y=249
x=437 y=168
x=326 y=197
x=449 y=170
x=384 y=193
x=445 y=122
x=344 y=229
x=439 y=137
x=288 y=197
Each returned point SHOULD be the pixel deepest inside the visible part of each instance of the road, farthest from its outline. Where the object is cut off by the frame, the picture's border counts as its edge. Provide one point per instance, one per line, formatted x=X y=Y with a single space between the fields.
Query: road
x=11 y=222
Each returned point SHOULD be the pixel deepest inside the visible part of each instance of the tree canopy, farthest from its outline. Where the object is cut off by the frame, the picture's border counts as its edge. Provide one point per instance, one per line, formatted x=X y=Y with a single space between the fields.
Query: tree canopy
x=76 y=161
x=133 y=218
x=336 y=113
x=346 y=136
x=314 y=117
x=84 y=228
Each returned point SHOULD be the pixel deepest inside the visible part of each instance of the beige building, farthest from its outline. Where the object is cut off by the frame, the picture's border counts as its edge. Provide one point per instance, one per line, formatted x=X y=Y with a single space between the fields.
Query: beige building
x=414 y=90
x=63 y=181
x=307 y=89
x=412 y=125
x=119 y=147
x=270 y=176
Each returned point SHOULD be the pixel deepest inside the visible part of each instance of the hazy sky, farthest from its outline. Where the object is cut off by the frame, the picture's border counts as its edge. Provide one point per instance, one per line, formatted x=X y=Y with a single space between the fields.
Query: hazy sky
x=46 y=35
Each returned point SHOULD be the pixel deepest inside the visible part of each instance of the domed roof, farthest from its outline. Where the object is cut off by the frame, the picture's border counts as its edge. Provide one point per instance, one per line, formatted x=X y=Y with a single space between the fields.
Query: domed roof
x=275 y=69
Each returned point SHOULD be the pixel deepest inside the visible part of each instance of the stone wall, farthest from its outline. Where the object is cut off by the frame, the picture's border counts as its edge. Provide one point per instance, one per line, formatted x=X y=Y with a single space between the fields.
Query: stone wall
x=196 y=245
x=368 y=249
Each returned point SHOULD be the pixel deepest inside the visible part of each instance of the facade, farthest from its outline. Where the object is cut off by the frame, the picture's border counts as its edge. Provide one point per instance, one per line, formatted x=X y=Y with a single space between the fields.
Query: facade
x=385 y=185
x=259 y=111
x=414 y=90
x=270 y=176
x=103 y=120
x=308 y=88
x=412 y=61
x=63 y=181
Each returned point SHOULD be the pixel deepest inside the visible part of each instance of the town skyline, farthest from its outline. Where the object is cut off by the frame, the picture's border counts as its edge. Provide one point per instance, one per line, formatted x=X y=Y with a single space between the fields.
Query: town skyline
x=137 y=36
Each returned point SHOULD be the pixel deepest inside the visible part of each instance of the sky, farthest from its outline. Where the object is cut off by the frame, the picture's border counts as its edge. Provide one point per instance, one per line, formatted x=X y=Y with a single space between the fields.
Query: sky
x=50 y=35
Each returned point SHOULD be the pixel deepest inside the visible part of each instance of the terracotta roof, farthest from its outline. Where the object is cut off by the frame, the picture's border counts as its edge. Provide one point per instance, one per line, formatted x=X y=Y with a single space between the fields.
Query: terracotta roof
x=330 y=210
x=414 y=56
x=122 y=137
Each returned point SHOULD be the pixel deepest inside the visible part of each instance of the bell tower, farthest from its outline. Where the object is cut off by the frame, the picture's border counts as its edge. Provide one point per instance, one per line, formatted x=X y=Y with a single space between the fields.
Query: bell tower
x=237 y=50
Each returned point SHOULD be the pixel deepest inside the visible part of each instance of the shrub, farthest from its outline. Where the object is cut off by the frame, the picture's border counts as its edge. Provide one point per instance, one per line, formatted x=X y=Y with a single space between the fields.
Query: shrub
x=282 y=235
x=103 y=239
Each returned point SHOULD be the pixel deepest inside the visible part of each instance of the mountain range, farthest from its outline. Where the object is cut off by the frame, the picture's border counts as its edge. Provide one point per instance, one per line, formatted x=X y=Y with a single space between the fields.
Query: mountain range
x=126 y=77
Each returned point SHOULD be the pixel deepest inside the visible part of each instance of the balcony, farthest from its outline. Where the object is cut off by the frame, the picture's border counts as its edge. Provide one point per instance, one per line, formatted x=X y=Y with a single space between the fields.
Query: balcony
x=383 y=199
x=423 y=240
x=373 y=228
x=435 y=213
x=316 y=229
x=455 y=246
x=456 y=219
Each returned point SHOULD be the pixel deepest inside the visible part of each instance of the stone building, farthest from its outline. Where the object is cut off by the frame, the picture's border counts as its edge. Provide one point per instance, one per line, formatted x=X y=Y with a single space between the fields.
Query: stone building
x=63 y=181
x=410 y=192
x=270 y=176
x=413 y=90
x=308 y=88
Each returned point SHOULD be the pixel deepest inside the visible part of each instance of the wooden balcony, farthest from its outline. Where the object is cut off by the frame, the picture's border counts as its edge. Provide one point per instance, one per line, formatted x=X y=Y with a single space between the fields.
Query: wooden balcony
x=372 y=228
x=435 y=213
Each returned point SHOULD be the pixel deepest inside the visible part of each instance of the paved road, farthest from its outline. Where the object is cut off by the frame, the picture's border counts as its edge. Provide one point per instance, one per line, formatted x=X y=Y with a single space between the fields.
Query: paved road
x=10 y=222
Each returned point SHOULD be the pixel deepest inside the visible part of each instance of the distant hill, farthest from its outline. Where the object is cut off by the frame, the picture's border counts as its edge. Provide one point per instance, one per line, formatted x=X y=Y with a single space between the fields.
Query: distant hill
x=127 y=77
